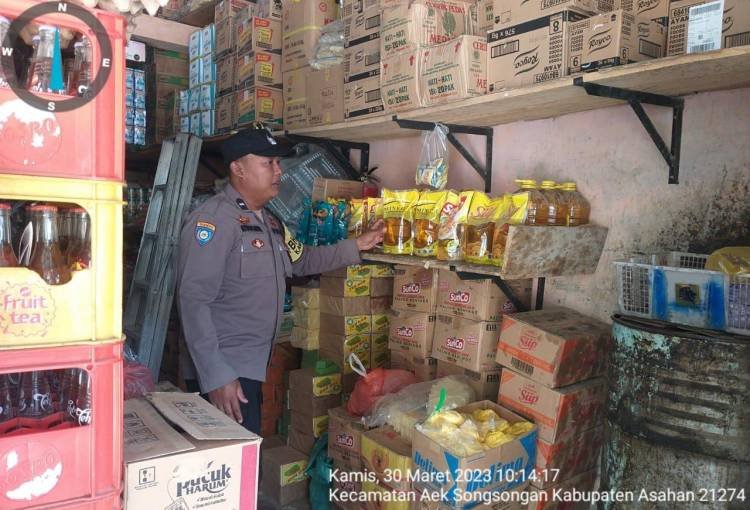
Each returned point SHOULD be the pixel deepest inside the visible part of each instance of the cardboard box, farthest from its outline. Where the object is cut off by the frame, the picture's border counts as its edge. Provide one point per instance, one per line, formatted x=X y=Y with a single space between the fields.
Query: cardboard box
x=301 y=441
x=555 y=346
x=381 y=359
x=486 y=384
x=258 y=68
x=484 y=17
x=379 y=342
x=559 y=413
x=615 y=38
x=415 y=289
x=342 y=360
x=424 y=368
x=381 y=304
x=531 y=52
x=335 y=188
x=345 y=306
x=308 y=318
x=381 y=322
x=325 y=96
x=479 y=300
x=298 y=48
x=345 y=287
x=410 y=25
x=466 y=343
x=362 y=98
x=411 y=332
x=284 y=479
x=567 y=458
x=342 y=346
x=162 y=465
x=399 y=81
x=300 y=13
x=295 y=98
x=342 y=486
x=224 y=38
x=559 y=496
x=433 y=461
x=388 y=456
x=312 y=406
x=576 y=32
x=381 y=497
x=362 y=42
x=315 y=425
x=226 y=9
x=259 y=104
x=307 y=339
x=306 y=297
x=270 y=9
x=656 y=10
x=360 y=270
x=345 y=324
x=305 y=382
x=351 y=7
x=225 y=74
x=345 y=439
x=453 y=70
x=257 y=34
x=734 y=32
x=514 y=12
x=381 y=287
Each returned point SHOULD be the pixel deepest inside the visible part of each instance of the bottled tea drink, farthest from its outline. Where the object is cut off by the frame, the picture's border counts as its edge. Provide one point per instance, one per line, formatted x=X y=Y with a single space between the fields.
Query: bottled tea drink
x=46 y=258
x=579 y=208
x=40 y=74
x=34 y=395
x=557 y=213
x=7 y=411
x=79 y=247
x=78 y=396
x=64 y=229
x=538 y=206
x=80 y=76
x=7 y=255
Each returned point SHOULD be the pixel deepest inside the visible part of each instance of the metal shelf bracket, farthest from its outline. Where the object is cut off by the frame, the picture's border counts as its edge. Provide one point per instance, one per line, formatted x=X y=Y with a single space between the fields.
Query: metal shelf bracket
x=485 y=172
x=507 y=290
x=636 y=99
x=340 y=149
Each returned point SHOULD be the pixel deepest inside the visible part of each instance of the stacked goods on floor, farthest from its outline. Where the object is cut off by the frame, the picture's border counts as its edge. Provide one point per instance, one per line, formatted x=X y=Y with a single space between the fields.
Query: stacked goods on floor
x=61 y=368
x=166 y=75
x=306 y=313
x=283 y=359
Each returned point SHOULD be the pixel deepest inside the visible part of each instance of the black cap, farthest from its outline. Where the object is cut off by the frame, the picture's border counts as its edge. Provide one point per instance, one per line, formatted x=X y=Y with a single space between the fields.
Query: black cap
x=257 y=140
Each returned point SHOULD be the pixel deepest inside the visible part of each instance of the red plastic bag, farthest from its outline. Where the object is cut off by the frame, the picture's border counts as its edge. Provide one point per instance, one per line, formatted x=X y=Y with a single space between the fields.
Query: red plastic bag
x=374 y=385
x=138 y=380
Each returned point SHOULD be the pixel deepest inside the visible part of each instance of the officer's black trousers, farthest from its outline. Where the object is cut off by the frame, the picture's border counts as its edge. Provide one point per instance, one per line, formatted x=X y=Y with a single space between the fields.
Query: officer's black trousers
x=251 y=411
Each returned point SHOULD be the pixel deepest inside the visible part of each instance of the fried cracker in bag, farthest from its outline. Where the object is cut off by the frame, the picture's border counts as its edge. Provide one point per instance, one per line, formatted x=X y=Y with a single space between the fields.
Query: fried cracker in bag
x=398 y=214
x=426 y=222
x=451 y=229
x=513 y=212
x=480 y=228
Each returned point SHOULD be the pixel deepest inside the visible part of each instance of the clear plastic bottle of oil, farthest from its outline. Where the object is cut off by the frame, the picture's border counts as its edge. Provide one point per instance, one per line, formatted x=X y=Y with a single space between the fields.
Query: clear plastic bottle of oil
x=558 y=207
x=579 y=208
x=538 y=206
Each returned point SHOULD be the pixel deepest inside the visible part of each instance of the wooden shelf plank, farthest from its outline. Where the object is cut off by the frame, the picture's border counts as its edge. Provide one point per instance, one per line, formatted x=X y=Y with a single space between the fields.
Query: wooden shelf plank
x=531 y=252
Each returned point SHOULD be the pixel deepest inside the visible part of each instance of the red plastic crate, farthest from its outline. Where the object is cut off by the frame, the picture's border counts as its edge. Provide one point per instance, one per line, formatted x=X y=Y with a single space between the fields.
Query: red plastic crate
x=85 y=143
x=71 y=466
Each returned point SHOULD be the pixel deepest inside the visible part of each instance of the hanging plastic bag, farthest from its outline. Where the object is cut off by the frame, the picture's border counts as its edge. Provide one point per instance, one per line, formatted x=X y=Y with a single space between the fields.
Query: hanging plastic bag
x=432 y=169
x=374 y=385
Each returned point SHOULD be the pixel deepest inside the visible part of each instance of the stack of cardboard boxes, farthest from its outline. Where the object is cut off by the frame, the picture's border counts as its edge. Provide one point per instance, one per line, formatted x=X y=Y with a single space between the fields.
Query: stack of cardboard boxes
x=201 y=96
x=283 y=359
x=284 y=480
x=312 y=392
x=135 y=106
x=169 y=70
x=553 y=361
x=735 y=26
x=362 y=59
x=306 y=312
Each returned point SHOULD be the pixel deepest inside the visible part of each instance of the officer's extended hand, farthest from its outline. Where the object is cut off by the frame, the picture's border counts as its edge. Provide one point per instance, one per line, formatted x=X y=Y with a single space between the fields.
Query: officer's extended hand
x=227 y=399
x=369 y=239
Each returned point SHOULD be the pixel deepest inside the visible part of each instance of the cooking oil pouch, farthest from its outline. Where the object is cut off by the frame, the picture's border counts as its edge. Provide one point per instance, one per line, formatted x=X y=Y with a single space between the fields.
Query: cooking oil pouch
x=427 y=221
x=451 y=229
x=398 y=214
x=432 y=169
x=357 y=219
x=513 y=211
x=733 y=260
x=479 y=228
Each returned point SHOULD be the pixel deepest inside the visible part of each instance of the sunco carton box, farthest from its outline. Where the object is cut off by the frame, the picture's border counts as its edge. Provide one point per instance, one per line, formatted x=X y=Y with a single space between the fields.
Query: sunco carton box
x=559 y=413
x=341 y=306
x=479 y=300
x=555 y=346
x=295 y=98
x=466 y=343
x=335 y=188
x=257 y=34
x=567 y=458
x=284 y=478
x=409 y=25
x=345 y=287
x=225 y=112
x=362 y=98
x=260 y=104
x=399 y=81
x=424 y=368
x=436 y=465
x=258 y=68
x=530 y=52
x=734 y=31
x=514 y=12
x=388 y=456
x=486 y=384
x=415 y=289
x=411 y=332
x=362 y=42
x=325 y=96
x=453 y=70
x=305 y=382
x=615 y=38
x=163 y=466
x=344 y=438
x=345 y=325
x=558 y=496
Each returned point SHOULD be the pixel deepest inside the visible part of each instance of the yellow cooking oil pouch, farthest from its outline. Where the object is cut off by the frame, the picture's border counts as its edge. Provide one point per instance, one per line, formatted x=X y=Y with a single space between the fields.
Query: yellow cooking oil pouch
x=480 y=228
x=452 y=223
x=398 y=215
x=513 y=212
x=426 y=222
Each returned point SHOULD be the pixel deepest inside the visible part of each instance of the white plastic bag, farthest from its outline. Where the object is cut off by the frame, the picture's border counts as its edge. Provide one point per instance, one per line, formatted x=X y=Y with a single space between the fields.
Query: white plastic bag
x=433 y=160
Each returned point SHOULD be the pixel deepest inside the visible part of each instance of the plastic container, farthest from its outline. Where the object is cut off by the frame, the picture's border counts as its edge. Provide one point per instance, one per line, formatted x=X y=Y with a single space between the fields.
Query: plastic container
x=557 y=213
x=674 y=288
x=578 y=208
x=538 y=207
x=81 y=466
x=83 y=143
x=87 y=308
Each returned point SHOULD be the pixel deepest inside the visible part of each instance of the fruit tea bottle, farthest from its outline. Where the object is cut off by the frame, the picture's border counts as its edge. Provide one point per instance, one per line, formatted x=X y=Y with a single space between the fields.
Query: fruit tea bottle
x=46 y=258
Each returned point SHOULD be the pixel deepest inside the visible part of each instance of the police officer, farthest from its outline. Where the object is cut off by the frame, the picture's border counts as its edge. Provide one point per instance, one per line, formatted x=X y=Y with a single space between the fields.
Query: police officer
x=234 y=258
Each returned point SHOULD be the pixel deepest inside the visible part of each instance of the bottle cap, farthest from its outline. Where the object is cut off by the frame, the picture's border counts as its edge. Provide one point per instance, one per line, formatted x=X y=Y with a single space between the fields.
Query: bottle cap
x=43 y=208
x=4 y=206
x=548 y=184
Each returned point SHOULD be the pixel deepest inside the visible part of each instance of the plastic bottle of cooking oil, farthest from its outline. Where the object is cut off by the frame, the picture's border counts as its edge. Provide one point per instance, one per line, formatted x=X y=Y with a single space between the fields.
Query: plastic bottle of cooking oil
x=579 y=209
x=538 y=207
x=558 y=207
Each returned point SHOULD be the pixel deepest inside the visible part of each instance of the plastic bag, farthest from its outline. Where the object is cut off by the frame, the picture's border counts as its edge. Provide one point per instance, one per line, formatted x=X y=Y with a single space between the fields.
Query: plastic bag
x=432 y=169
x=329 y=51
x=374 y=385
x=137 y=380
x=398 y=215
x=427 y=212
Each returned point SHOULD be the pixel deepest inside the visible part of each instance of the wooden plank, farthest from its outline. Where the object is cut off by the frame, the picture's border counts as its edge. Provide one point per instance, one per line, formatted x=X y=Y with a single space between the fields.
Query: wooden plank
x=162 y=33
